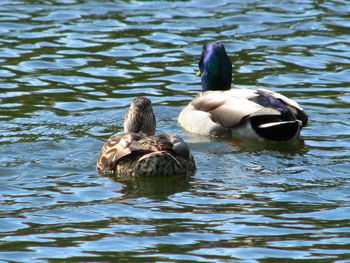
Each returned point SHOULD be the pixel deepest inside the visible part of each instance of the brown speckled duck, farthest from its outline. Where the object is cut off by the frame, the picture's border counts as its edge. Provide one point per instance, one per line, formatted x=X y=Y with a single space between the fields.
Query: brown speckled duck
x=240 y=113
x=138 y=152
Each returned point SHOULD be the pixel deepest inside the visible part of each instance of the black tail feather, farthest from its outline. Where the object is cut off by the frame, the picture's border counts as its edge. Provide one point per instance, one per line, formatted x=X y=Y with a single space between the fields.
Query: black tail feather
x=279 y=131
x=271 y=127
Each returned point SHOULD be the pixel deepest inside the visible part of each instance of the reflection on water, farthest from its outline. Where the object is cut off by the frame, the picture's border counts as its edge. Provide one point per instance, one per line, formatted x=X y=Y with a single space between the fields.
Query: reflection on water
x=159 y=189
x=66 y=80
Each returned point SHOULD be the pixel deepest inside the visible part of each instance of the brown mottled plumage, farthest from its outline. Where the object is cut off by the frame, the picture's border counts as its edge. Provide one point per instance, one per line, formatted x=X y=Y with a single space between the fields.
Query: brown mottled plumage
x=138 y=152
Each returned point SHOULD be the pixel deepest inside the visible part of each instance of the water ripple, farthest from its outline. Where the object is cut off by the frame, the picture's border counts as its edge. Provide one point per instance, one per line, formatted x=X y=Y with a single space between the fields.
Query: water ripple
x=67 y=79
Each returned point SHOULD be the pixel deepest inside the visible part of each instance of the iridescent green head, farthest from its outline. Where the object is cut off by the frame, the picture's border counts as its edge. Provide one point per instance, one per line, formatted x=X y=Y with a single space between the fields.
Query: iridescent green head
x=215 y=67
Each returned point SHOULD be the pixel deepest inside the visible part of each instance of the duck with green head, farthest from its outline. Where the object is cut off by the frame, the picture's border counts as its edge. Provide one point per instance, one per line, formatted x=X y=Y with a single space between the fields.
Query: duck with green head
x=220 y=110
x=139 y=152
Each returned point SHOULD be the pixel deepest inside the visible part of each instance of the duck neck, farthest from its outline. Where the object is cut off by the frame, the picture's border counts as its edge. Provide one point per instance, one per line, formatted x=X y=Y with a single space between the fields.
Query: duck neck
x=217 y=75
x=209 y=83
x=140 y=122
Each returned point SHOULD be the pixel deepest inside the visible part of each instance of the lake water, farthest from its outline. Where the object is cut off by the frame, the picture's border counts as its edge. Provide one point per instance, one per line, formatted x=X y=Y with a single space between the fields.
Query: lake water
x=69 y=70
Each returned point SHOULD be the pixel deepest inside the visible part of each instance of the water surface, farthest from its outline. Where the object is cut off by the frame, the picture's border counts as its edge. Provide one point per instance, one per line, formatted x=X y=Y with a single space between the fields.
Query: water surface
x=69 y=70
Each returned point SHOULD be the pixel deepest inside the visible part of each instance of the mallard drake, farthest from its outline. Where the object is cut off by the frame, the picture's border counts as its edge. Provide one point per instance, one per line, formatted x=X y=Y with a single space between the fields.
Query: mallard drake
x=138 y=152
x=240 y=113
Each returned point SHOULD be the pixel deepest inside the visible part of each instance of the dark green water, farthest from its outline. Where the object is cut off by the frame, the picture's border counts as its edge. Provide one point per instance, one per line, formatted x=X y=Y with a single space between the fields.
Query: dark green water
x=69 y=70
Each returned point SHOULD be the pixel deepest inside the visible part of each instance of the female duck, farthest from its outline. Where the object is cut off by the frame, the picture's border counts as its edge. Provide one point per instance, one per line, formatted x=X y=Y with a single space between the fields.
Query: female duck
x=240 y=113
x=138 y=152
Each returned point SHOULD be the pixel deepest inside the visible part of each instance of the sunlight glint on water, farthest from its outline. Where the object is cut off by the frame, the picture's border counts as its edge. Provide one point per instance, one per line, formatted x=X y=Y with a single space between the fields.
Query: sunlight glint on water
x=69 y=70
